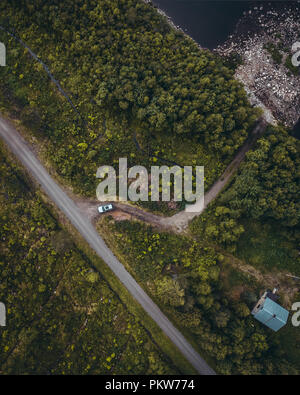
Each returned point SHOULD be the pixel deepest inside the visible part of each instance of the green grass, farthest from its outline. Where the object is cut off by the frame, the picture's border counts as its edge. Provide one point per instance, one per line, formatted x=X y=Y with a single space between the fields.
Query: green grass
x=268 y=246
x=289 y=337
x=236 y=278
x=186 y=151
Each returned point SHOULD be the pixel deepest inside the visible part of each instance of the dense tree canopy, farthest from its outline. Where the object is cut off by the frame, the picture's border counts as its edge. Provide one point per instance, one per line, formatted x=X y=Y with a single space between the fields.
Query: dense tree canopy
x=266 y=188
x=269 y=182
x=120 y=54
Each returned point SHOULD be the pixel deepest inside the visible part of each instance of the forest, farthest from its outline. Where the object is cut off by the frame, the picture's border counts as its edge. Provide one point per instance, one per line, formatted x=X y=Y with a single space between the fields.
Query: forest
x=130 y=76
x=266 y=192
x=126 y=72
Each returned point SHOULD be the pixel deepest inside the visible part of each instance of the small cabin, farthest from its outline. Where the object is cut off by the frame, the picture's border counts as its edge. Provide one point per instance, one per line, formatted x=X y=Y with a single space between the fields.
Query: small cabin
x=269 y=312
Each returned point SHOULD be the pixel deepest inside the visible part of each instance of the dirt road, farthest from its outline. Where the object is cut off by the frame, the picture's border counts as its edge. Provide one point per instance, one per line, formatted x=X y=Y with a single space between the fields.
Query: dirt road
x=82 y=223
x=179 y=222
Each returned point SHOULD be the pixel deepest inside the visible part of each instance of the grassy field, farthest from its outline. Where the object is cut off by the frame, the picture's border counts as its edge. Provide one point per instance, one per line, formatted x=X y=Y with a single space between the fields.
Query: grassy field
x=185 y=151
x=267 y=247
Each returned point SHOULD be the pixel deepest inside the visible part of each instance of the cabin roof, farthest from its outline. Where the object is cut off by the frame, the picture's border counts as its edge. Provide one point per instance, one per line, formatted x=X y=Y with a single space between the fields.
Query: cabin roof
x=272 y=315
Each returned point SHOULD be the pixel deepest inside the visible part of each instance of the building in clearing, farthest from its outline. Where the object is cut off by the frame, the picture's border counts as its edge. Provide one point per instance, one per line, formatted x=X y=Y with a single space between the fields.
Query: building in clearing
x=270 y=313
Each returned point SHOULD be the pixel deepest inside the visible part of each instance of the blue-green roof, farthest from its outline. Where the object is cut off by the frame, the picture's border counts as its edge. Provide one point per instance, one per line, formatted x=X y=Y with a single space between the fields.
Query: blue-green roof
x=272 y=315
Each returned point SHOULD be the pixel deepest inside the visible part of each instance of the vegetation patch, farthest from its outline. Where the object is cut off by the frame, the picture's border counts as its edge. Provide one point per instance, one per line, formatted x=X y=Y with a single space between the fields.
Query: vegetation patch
x=185 y=278
x=62 y=315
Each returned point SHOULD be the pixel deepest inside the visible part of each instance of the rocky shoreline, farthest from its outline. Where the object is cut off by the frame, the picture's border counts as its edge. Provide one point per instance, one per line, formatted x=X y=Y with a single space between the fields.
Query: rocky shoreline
x=263 y=40
x=270 y=85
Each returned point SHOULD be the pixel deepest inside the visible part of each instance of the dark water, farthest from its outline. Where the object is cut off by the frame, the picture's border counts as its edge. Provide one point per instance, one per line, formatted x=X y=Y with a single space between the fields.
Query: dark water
x=296 y=130
x=209 y=22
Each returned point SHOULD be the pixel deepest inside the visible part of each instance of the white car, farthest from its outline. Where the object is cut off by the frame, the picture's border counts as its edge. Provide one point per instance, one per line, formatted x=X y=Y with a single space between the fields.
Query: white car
x=105 y=209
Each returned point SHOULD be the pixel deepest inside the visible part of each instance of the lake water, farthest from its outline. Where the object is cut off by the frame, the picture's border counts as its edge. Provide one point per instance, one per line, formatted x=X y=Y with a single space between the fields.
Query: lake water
x=296 y=130
x=209 y=22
